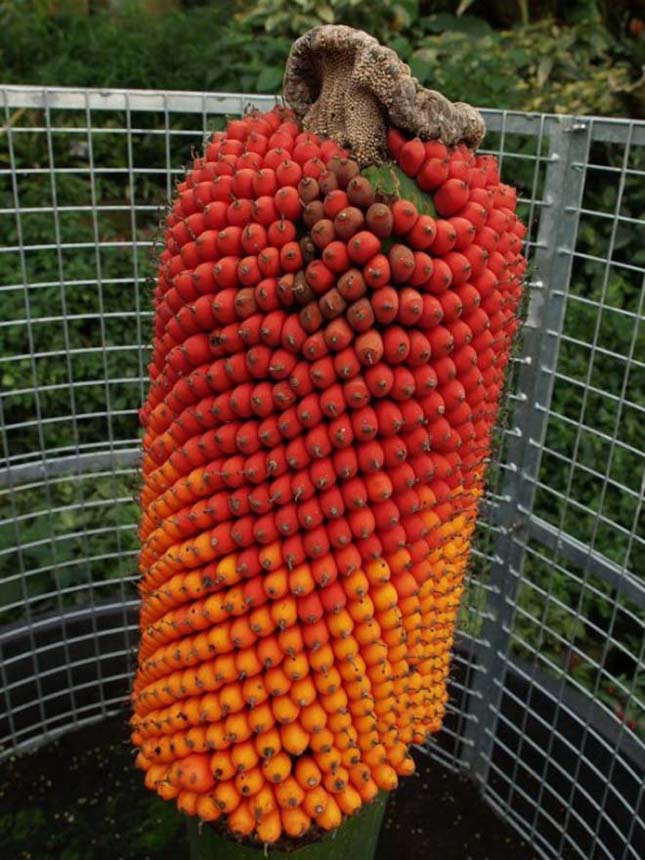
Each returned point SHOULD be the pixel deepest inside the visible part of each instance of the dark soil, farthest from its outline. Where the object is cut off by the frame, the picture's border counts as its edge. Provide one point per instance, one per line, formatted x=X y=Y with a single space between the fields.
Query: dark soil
x=79 y=798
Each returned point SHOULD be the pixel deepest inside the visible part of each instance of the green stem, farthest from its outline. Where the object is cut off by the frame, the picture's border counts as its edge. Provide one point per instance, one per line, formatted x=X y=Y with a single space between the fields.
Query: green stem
x=355 y=839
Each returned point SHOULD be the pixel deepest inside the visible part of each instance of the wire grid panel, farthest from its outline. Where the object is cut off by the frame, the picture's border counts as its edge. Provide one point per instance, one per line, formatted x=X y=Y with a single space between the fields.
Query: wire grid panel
x=550 y=658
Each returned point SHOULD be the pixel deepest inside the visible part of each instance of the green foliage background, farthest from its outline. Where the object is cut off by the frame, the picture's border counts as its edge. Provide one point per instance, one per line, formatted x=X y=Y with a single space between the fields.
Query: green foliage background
x=576 y=57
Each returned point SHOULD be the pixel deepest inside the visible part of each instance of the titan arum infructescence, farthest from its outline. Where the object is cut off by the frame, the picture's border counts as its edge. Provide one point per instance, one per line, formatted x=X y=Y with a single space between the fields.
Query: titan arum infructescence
x=333 y=316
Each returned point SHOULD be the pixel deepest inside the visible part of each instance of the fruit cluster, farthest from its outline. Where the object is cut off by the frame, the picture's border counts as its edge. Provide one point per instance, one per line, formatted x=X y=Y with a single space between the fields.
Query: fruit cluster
x=327 y=364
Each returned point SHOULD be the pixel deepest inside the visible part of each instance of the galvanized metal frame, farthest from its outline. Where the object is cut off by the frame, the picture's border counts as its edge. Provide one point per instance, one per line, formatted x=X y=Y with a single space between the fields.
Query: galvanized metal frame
x=478 y=725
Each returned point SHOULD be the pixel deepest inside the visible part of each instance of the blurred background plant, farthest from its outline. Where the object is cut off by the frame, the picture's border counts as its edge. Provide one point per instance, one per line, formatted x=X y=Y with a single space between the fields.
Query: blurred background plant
x=578 y=56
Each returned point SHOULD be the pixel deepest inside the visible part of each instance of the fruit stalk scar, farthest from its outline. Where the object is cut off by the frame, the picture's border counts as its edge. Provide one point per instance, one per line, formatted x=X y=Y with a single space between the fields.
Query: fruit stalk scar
x=345 y=85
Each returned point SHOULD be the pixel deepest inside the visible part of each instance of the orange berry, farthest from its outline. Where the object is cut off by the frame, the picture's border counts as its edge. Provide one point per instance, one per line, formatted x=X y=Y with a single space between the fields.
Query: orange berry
x=348 y=800
x=237 y=727
x=322 y=659
x=208 y=808
x=269 y=827
x=263 y=803
x=187 y=802
x=261 y=718
x=322 y=741
x=385 y=777
x=294 y=738
x=268 y=743
x=249 y=782
x=226 y=796
x=315 y=801
x=289 y=793
x=277 y=768
x=276 y=681
x=295 y=822
x=276 y=584
x=313 y=718
x=244 y=756
x=221 y=765
x=307 y=773
x=284 y=709
x=331 y=818
x=241 y=821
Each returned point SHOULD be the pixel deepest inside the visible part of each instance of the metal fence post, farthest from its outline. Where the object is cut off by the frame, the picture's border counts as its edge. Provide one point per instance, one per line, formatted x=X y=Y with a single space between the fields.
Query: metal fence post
x=564 y=185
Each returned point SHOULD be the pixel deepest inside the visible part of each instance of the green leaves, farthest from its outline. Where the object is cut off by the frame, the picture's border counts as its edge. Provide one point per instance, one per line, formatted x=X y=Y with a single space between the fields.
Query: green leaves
x=269 y=80
x=390 y=181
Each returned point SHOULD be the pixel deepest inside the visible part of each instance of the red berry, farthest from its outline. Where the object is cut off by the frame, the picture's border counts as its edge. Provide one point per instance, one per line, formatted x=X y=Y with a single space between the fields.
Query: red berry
x=411 y=156
x=348 y=222
x=363 y=246
x=369 y=347
x=433 y=172
x=451 y=197
x=385 y=304
x=286 y=198
x=379 y=220
x=404 y=217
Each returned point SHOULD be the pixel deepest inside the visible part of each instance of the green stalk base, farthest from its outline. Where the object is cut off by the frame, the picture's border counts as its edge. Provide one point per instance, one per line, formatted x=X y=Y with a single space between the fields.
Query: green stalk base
x=356 y=838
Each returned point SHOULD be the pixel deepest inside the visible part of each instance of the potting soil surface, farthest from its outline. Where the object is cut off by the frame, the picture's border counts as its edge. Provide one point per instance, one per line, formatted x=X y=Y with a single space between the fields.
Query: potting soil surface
x=80 y=798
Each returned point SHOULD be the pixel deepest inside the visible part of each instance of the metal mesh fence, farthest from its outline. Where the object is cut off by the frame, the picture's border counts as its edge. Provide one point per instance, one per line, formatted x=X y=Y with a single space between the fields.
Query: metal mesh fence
x=548 y=688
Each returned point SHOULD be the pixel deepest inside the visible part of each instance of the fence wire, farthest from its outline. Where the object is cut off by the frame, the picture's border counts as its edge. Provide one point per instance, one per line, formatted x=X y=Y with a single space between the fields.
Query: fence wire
x=547 y=696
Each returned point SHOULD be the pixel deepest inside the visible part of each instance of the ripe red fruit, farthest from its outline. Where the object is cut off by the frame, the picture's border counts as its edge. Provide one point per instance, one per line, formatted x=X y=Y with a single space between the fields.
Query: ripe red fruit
x=445 y=369
x=379 y=220
x=360 y=192
x=379 y=379
x=451 y=197
x=396 y=345
x=411 y=156
x=388 y=417
x=360 y=315
x=264 y=182
x=346 y=363
x=410 y=306
x=291 y=257
x=432 y=173
x=323 y=232
x=423 y=269
x=451 y=305
x=332 y=304
x=264 y=210
x=240 y=211
x=338 y=334
x=395 y=140
x=377 y=271
x=363 y=246
x=310 y=317
x=440 y=279
x=404 y=217
x=334 y=202
x=445 y=237
x=319 y=277
x=422 y=235
x=348 y=222
x=420 y=349
x=441 y=341
x=356 y=393
x=402 y=262
x=369 y=347
x=385 y=304
x=351 y=285
x=459 y=266
x=465 y=232
x=335 y=257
